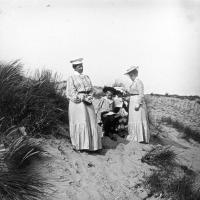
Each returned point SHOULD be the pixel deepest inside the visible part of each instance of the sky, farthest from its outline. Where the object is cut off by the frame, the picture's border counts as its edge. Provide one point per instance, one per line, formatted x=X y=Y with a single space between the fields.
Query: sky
x=161 y=37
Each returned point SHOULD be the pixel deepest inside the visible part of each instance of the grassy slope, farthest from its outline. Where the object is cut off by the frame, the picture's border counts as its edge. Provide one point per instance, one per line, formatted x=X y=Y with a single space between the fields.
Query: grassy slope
x=116 y=172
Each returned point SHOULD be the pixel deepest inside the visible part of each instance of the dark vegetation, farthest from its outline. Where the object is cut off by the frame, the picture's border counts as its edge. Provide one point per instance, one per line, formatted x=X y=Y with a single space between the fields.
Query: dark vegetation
x=20 y=185
x=29 y=107
x=170 y=180
x=188 y=133
x=22 y=152
x=191 y=97
x=35 y=102
x=17 y=180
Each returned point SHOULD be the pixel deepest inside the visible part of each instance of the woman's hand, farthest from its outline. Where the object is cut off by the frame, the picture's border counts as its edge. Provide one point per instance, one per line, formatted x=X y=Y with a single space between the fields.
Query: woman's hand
x=127 y=98
x=81 y=96
x=77 y=100
x=137 y=107
x=88 y=99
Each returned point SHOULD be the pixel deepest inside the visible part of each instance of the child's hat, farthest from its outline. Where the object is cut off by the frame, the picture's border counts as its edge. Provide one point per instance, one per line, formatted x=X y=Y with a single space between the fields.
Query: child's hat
x=111 y=89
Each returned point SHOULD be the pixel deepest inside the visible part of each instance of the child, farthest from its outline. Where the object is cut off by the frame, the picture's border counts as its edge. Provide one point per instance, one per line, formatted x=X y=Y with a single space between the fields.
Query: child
x=121 y=108
x=105 y=114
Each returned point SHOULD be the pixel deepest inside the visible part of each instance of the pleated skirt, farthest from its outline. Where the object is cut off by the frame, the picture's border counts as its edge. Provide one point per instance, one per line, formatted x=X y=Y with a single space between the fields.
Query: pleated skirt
x=138 y=129
x=83 y=127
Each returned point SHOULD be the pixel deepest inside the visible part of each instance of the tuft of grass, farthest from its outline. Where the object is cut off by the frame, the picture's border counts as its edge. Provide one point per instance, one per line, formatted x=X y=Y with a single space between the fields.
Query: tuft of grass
x=186 y=130
x=170 y=186
x=17 y=180
x=160 y=156
x=22 y=152
x=20 y=185
x=170 y=180
x=189 y=133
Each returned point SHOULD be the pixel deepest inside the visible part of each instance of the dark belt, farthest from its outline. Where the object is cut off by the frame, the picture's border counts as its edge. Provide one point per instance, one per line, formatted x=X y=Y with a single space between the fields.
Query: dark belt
x=133 y=94
x=84 y=92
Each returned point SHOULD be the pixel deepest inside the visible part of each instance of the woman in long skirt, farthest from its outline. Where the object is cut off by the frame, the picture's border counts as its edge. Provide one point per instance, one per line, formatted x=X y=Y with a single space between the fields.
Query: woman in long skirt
x=137 y=121
x=82 y=118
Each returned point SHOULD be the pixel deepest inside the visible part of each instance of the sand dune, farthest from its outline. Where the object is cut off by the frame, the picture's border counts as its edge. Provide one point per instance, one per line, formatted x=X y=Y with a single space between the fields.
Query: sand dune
x=116 y=172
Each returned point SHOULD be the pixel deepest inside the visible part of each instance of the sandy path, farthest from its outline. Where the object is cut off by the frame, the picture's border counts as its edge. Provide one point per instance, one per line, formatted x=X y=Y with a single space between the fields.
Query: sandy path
x=112 y=174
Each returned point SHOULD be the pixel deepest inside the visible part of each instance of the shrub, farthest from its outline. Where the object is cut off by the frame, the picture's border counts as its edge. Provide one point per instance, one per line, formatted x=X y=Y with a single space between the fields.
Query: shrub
x=11 y=79
x=34 y=102
x=166 y=94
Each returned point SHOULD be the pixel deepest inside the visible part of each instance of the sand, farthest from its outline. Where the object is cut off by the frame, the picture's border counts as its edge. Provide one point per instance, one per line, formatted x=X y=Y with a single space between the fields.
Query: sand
x=114 y=173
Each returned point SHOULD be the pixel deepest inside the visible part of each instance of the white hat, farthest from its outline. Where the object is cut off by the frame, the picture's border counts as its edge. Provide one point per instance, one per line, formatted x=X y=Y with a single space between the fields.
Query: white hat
x=120 y=89
x=77 y=61
x=130 y=69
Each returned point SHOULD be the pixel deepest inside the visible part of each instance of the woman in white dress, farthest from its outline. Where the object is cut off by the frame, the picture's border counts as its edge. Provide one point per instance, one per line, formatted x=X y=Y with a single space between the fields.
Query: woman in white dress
x=137 y=121
x=82 y=118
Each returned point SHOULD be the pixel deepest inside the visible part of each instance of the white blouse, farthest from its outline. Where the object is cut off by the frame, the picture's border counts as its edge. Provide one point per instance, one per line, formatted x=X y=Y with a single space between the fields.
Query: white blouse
x=104 y=105
x=76 y=84
x=137 y=87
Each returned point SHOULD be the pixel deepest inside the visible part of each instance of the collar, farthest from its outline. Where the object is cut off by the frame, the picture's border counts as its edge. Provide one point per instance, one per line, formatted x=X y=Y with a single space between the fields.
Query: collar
x=109 y=100
x=78 y=74
x=136 y=79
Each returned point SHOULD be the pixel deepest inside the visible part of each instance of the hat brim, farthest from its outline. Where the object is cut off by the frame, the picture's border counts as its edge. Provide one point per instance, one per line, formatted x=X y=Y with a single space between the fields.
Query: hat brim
x=110 y=89
x=130 y=70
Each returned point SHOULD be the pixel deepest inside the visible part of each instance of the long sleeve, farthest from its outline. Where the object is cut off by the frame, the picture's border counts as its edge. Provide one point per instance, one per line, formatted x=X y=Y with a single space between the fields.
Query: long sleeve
x=71 y=91
x=104 y=106
x=140 y=88
x=99 y=108
x=92 y=89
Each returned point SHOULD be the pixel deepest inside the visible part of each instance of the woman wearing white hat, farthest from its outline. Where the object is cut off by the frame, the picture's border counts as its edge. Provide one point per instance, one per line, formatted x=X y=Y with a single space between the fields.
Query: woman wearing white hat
x=137 y=121
x=82 y=118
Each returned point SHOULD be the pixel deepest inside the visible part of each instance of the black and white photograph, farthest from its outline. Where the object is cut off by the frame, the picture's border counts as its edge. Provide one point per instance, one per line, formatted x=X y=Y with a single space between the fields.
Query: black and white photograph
x=99 y=99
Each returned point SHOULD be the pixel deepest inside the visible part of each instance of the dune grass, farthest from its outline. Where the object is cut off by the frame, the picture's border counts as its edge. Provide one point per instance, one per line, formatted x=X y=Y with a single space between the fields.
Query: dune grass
x=188 y=133
x=17 y=180
x=22 y=152
x=36 y=105
x=34 y=102
x=190 y=97
x=169 y=180
x=20 y=185
x=160 y=156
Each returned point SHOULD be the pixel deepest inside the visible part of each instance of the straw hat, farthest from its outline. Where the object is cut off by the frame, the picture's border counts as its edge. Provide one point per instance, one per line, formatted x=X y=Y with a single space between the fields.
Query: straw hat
x=130 y=69
x=77 y=61
x=111 y=89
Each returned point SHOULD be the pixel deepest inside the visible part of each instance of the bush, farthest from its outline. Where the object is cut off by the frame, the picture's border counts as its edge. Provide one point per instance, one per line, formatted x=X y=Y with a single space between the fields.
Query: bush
x=34 y=102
